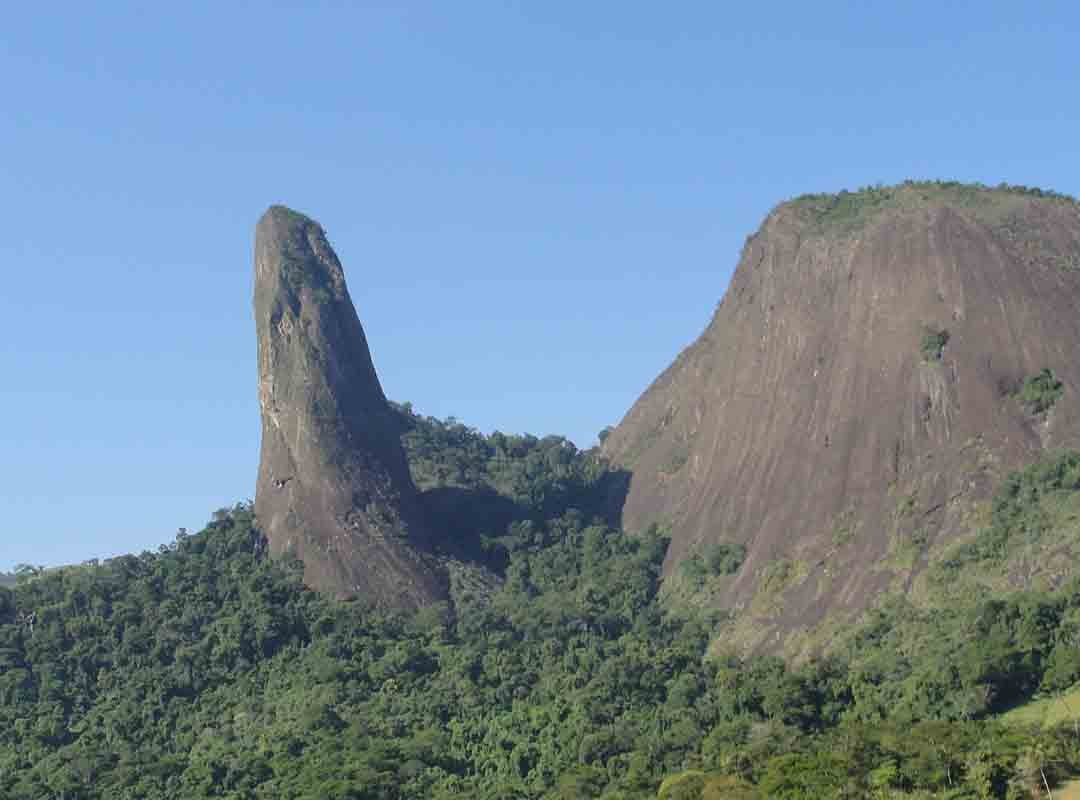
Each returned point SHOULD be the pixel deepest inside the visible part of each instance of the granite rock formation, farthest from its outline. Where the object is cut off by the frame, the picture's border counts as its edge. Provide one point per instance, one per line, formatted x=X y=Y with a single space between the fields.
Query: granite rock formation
x=333 y=488
x=856 y=391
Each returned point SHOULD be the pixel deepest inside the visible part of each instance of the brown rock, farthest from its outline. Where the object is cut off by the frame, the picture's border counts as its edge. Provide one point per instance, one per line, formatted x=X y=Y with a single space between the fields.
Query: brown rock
x=333 y=487
x=821 y=418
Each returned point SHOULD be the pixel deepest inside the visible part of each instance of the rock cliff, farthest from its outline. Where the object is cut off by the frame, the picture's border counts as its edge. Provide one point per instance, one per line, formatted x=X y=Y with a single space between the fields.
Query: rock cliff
x=333 y=487
x=858 y=393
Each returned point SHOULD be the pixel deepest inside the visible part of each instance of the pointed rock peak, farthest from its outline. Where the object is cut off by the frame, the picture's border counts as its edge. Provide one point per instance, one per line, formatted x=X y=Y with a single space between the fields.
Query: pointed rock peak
x=282 y=227
x=292 y=253
x=333 y=487
x=284 y=216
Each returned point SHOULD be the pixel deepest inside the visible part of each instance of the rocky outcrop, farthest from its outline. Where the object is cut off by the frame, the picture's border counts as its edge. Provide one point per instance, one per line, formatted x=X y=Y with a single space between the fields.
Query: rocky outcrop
x=333 y=488
x=855 y=394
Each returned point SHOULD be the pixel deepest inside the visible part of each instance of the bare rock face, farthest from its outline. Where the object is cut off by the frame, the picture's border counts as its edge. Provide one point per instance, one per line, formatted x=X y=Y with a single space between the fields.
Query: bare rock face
x=334 y=487
x=853 y=401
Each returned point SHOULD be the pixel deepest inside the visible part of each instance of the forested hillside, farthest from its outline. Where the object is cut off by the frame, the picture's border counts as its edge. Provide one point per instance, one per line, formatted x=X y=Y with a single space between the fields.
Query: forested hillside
x=207 y=669
x=474 y=486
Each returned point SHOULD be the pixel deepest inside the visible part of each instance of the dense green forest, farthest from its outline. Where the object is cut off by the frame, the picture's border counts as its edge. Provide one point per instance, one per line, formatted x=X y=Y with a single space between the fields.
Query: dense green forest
x=208 y=670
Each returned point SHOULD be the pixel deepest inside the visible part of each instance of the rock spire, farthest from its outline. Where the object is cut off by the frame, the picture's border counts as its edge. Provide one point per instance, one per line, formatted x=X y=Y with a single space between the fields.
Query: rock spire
x=333 y=487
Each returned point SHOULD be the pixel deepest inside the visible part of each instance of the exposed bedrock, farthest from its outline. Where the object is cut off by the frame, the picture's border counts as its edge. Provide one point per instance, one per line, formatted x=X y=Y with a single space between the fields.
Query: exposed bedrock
x=856 y=391
x=333 y=487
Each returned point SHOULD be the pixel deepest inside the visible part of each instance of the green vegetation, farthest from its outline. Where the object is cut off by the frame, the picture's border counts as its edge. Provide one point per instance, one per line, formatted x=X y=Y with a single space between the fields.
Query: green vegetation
x=906 y=506
x=844 y=528
x=207 y=670
x=1047 y=711
x=21 y=574
x=1039 y=393
x=964 y=661
x=723 y=558
x=1022 y=513
x=781 y=573
x=475 y=486
x=773 y=580
x=933 y=343
x=848 y=212
x=541 y=473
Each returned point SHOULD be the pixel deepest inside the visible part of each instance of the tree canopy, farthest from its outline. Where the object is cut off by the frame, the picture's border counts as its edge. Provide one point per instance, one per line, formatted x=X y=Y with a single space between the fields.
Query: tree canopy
x=208 y=670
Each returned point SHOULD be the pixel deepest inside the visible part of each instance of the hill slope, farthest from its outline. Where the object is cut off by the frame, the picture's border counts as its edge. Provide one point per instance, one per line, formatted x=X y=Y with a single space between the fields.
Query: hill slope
x=207 y=670
x=874 y=368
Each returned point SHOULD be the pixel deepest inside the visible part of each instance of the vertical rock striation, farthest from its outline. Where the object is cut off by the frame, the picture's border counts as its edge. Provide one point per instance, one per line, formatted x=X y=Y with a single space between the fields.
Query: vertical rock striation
x=853 y=400
x=333 y=487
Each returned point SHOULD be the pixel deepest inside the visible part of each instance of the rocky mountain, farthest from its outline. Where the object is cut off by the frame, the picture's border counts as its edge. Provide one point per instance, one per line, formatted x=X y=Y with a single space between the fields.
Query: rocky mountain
x=878 y=362
x=334 y=487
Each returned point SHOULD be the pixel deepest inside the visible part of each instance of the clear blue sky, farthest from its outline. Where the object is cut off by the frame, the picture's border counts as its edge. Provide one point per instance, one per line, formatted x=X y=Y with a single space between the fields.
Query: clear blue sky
x=537 y=204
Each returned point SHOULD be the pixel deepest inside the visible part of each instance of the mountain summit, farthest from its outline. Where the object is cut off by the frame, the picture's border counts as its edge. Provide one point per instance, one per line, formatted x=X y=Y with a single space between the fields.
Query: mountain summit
x=334 y=487
x=879 y=361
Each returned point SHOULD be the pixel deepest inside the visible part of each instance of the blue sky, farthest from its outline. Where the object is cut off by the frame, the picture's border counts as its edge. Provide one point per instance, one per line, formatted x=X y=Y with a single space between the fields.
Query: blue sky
x=537 y=205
